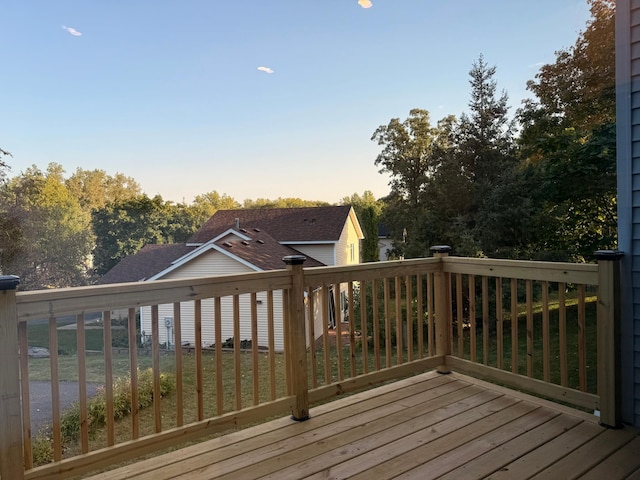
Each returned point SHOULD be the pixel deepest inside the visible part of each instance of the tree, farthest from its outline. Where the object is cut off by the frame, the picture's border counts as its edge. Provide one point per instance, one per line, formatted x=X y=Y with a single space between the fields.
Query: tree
x=485 y=150
x=95 y=188
x=207 y=204
x=46 y=239
x=3 y=165
x=568 y=142
x=123 y=228
x=283 y=203
x=411 y=154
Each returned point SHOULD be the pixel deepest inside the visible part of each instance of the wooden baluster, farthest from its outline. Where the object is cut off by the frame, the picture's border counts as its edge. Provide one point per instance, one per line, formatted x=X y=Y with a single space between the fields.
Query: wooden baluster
x=376 y=325
x=255 y=365
x=499 y=324
x=133 y=370
x=515 y=342
x=364 y=334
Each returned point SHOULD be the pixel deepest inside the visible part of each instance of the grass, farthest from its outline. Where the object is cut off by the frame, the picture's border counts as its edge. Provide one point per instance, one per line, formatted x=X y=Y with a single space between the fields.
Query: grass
x=572 y=331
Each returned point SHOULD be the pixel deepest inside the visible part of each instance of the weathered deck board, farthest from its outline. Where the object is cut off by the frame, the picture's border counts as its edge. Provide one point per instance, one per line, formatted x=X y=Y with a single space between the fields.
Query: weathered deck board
x=428 y=426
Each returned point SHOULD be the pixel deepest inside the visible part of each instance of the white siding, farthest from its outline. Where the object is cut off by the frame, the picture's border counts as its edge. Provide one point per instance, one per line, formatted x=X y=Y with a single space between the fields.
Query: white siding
x=348 y=240
x=324 y=253
x=210 y=264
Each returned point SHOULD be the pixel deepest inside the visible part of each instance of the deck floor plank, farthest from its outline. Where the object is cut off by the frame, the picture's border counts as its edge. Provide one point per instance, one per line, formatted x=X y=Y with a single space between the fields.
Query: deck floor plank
x=427 y=426
x=414 y=457
x=619 y=465
x=498 y=458
x=378 y=458
x=466 y=452
x=238 y=444
x=294 y=448
x=547 y=454
x=583 y=459
x=322 y=460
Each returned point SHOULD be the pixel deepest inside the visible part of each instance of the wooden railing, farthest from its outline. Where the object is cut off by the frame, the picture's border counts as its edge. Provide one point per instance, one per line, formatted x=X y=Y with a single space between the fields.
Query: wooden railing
x=529 y=325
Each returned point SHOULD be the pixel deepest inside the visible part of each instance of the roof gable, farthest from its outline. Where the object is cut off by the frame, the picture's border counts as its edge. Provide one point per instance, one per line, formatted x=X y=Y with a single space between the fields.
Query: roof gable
x=251 y=247
x=146 y=263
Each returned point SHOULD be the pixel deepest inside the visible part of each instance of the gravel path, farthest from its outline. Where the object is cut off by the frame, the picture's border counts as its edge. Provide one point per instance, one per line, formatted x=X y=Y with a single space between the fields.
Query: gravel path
x=40 y=398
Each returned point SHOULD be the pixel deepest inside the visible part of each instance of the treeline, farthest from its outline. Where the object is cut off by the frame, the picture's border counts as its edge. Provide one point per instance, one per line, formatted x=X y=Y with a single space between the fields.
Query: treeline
x=60 y=230
x=538 y=185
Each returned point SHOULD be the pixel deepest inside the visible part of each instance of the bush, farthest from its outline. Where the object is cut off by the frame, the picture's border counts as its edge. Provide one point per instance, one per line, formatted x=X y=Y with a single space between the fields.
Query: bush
x=97 y=411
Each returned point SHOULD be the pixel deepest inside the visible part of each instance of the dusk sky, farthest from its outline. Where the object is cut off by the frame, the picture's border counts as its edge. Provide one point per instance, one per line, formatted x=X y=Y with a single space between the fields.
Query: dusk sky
x=255 y=98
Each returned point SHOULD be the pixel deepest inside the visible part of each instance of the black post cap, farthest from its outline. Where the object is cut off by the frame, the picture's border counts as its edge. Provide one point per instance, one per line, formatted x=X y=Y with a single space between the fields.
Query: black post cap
x=440 y=249
x=610 y=255
x=9 y=282
x=294 y=259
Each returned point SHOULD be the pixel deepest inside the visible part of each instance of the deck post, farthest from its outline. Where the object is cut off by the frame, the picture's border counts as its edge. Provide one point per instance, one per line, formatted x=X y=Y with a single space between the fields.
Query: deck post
x=297 y=357
x=442 y=308
x=11 y=453
x=608 y=329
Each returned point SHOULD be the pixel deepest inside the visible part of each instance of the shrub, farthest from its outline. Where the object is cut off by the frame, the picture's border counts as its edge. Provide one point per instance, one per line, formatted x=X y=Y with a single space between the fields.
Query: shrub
x=97 y=411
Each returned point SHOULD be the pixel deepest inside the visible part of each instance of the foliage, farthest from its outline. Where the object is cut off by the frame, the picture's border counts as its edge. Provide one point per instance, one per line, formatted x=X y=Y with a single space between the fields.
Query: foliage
x=282 y=203
x=412 y=153
x=205 y=205
x=47 y=241
x=548 y=193
x=95 y=188
x=123 y=228
x=70 y=421
x=368 y=211
x=568 y=142
x=4 y=166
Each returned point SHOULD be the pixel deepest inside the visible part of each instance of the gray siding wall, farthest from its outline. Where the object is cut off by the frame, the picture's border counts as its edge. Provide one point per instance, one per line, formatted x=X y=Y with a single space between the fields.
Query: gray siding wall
x=628 y=151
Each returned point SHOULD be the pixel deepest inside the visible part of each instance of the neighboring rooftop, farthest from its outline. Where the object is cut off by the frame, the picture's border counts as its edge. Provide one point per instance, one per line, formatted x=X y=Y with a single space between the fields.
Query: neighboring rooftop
x=148 y=261
x=283 y=224
x=262 y=250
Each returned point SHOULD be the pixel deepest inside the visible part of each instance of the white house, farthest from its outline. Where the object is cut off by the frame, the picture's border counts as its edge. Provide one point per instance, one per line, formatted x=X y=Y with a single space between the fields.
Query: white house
x=242 y=241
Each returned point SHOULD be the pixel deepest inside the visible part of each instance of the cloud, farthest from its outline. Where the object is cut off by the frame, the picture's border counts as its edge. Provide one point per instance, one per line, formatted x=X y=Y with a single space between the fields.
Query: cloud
x=365 y=3
x=72 y=31
x=265 y=69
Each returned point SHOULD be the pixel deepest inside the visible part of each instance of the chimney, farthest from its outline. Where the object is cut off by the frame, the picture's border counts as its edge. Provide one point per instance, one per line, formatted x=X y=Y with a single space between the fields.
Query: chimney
x=237 y=223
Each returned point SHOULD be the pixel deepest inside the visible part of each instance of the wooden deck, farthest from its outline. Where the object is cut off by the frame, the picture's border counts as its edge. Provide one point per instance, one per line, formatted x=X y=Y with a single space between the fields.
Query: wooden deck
x=428 y=426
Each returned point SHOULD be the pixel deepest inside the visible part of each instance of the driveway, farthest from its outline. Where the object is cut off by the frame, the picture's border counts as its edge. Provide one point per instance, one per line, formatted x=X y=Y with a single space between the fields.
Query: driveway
x=40 y=397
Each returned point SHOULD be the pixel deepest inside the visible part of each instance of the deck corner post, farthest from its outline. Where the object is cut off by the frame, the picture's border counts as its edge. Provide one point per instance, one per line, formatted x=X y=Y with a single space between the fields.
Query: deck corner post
x=11 y=441
x=608 y=331
x=297 y=357
x=442 y=306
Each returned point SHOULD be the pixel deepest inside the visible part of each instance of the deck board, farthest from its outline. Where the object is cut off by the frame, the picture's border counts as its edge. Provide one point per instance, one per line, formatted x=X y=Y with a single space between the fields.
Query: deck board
x=427 y=426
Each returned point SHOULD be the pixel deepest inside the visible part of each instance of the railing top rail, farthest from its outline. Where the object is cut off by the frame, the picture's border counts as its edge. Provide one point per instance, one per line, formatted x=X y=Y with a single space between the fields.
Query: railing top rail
x=368 y=271
x=65 y=301
x=580 y=273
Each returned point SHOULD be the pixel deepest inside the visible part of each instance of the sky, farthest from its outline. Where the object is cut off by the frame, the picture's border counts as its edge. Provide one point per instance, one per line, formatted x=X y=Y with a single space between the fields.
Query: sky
x=254 y=98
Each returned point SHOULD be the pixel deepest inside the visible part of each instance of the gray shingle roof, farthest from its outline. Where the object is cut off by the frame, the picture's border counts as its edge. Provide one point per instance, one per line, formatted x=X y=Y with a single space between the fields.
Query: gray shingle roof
x=262 y=250
x=148 y=261
x=283 y=224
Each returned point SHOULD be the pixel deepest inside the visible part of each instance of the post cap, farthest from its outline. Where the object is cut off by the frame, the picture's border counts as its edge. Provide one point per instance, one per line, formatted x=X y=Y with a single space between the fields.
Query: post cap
x=294 y=259
x=610 y=255
x=440 y=249
x=9 y=282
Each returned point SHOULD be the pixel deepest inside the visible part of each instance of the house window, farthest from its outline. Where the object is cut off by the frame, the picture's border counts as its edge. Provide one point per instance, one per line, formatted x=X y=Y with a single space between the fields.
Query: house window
x=352 y=252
